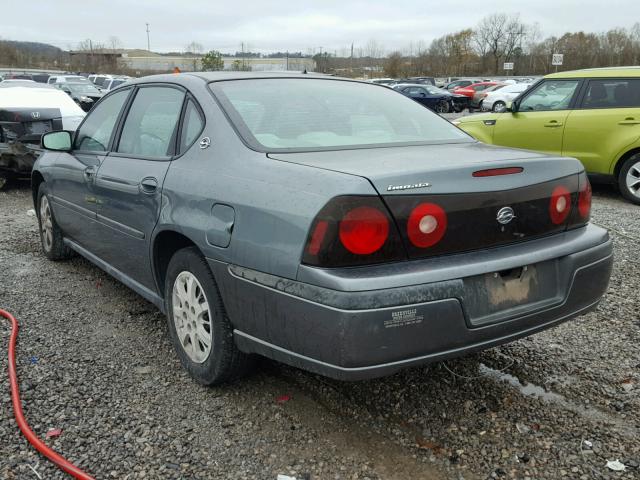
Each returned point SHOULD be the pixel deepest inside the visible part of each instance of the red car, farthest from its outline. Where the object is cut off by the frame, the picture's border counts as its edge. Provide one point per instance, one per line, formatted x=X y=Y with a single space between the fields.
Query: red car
x=471 y=90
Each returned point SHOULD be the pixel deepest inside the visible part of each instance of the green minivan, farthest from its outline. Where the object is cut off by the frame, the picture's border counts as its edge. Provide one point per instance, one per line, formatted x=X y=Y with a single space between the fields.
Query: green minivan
x=592 y=115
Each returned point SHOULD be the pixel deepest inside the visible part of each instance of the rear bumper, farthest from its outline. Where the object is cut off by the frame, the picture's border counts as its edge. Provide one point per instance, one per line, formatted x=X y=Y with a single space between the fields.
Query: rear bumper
x=351 y=334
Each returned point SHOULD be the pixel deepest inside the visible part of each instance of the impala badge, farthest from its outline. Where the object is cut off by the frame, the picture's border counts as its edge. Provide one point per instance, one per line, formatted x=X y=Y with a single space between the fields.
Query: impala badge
x=391 y=188
x=505 y=215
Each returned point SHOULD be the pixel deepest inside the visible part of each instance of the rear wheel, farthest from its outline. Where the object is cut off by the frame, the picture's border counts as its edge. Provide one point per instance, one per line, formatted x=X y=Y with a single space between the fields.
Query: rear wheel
x=51 y=237
x=200 y=330
x=629 y=179
x=499 y=106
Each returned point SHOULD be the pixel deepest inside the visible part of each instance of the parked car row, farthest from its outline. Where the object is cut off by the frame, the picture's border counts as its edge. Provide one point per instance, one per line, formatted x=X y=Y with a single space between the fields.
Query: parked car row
x=437 y=99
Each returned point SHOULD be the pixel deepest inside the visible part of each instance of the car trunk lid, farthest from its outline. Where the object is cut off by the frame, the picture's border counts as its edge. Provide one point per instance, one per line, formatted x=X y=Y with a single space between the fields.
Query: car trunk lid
x=481 y=211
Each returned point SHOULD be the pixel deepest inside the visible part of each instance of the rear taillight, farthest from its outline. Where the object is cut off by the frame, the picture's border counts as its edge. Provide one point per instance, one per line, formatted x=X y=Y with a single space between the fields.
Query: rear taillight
x=426 y=225
x=581 y=214
x=353 y=230
x=559 y=205
x=584 y=200
x=364 y=230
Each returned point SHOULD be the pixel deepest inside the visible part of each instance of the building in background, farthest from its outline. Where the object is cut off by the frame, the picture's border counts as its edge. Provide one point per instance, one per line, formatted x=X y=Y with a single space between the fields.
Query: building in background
x=162 y=63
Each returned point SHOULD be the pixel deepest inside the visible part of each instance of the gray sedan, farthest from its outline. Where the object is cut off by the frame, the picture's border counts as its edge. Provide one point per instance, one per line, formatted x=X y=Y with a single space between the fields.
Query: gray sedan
x=330 y=224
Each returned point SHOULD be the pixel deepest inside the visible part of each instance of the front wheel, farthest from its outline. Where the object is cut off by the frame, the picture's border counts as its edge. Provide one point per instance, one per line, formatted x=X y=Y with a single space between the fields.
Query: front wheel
x=199 y=328
x=629 y=179
x=442 y=106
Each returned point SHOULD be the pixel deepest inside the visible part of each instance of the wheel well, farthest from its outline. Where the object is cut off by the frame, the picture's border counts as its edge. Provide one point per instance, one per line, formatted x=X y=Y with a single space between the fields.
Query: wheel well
x=623 y=158
x=36 y=180
x=165 y=245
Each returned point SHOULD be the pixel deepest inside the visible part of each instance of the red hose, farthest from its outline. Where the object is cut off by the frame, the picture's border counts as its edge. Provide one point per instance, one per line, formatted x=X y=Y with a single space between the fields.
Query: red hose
x=59 y=461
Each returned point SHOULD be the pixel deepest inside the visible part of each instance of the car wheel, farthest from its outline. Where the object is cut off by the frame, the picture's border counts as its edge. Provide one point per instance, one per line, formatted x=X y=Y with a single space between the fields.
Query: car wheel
x=499 y=106
x=3 y=181
x=629 y=179
x=200 y=330
x=442 y=106
x=51 y=237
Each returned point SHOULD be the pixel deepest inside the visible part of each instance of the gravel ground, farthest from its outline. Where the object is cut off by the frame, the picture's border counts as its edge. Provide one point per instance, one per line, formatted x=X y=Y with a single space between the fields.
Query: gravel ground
x=95 y=360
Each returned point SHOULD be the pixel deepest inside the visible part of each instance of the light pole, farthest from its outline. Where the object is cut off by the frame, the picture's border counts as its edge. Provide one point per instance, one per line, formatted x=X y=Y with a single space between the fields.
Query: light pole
x=148 y=42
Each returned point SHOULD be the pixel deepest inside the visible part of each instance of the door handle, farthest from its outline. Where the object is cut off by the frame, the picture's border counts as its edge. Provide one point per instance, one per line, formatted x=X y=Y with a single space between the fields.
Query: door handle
x=553 y=123
x=629 y=121
x=148 y=185
x=89 y=172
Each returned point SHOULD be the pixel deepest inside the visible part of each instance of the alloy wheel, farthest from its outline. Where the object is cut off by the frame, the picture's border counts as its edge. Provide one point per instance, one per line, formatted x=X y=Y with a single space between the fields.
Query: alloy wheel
x=633 y=179
x=46 y=224
x=192 y=317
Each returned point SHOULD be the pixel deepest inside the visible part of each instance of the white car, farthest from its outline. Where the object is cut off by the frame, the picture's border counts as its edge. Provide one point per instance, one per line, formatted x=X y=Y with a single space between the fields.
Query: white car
x=57 y=79
x=497 y=101
x=27 y=111
x=111 y=83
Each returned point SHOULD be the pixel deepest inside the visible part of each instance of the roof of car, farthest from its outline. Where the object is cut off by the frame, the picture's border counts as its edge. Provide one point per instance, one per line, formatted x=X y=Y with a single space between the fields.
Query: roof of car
x=607 y=72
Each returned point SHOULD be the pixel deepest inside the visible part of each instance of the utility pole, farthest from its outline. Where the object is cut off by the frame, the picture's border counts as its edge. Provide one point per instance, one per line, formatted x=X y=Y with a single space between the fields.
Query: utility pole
x=148 y=42
x=351 y=60
x=287 y=60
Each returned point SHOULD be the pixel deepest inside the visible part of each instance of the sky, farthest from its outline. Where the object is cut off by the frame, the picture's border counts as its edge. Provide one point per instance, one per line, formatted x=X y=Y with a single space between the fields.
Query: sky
x=294 y=25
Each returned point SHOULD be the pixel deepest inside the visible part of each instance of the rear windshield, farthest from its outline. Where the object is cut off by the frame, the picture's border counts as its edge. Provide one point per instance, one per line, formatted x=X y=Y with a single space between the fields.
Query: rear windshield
x=290 y=114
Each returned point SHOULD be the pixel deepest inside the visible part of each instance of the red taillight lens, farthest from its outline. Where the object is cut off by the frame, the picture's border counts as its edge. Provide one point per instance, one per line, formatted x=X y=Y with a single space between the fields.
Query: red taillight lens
x=364 y=230
x=317 y=237
x=494 y=172
x=559 y=205
x=584 y=200
x=426 y=225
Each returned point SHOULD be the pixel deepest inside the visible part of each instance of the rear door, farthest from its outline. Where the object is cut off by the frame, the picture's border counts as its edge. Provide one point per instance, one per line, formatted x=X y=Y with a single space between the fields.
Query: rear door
x=540 y=120
x=606 y=121
x=129 y=182
x=74 y=201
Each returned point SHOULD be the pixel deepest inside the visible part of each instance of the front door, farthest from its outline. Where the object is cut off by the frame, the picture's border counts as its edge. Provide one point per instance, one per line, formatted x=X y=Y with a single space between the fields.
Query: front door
x=606 y=122
x=73 y=200
x=129 y=181
x=540 y=120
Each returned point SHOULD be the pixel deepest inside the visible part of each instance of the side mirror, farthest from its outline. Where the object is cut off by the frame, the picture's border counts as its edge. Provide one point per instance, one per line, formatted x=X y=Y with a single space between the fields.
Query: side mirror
x=57 y=141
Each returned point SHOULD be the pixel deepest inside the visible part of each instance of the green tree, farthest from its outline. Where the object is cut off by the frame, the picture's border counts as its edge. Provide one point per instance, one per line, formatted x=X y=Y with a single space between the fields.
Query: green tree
x=212 y=61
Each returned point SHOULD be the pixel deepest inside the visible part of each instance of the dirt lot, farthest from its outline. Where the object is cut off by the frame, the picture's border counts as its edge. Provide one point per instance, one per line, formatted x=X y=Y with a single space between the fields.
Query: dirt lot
x=95 y=361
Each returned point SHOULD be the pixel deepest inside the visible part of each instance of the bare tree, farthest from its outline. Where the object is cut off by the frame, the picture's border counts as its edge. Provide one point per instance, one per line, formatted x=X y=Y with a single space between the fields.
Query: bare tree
x=115 y=44
x=498 y=35
x=194 y=48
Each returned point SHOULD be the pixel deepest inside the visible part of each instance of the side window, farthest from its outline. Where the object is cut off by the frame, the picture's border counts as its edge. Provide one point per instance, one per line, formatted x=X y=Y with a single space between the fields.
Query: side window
x=612 y=93
x=95 y=132
x=550 y=95
x=150 y=127
x=191 y=126
x=51 y=80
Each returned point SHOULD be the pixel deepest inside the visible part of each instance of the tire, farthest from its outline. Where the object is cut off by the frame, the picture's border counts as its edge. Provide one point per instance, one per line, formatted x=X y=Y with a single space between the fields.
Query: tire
x=3 y=181
x=51 y=237
x=499 y=106
x=196 y=316
x=629 y=179
x=442 y=107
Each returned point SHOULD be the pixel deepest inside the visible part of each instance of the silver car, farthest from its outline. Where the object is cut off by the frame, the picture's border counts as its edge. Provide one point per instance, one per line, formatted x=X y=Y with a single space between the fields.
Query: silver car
x=330 y=224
